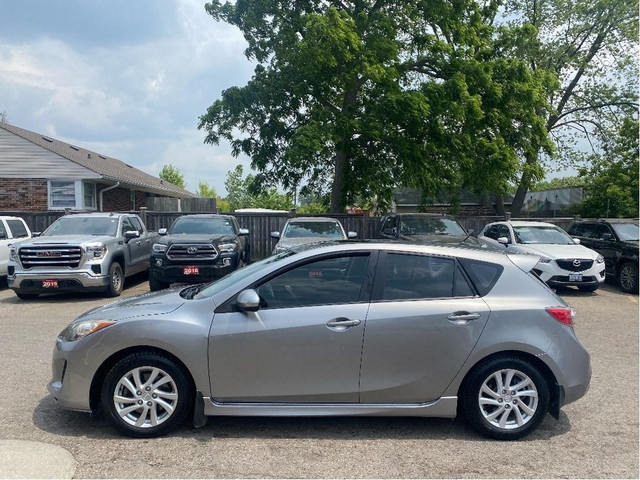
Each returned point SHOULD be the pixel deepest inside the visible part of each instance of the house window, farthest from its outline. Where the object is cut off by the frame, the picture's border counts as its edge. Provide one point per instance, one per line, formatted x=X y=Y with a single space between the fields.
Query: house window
x=77 y=195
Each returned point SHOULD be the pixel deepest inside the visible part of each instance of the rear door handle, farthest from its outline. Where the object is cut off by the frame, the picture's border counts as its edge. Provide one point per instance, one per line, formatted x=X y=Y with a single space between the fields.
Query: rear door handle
x=462 y=318
x=342 y=324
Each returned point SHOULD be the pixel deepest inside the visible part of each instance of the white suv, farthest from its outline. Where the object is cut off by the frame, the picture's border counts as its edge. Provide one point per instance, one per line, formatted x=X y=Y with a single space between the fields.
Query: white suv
x=563 y=261
x=12 y=229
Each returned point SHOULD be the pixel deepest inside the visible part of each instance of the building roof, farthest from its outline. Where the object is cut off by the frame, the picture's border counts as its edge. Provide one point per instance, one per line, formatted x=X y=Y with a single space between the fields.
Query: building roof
x=110 y=169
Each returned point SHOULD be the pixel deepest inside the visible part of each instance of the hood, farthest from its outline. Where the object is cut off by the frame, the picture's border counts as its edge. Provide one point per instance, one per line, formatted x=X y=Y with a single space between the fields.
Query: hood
x=68 y=239
x=294 y=242
x=148 y=304
x=196 y=238
x=443 y=238
x=554 y=252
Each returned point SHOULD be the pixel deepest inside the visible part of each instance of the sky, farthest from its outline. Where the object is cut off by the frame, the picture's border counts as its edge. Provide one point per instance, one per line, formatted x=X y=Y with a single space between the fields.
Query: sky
x=125 y=78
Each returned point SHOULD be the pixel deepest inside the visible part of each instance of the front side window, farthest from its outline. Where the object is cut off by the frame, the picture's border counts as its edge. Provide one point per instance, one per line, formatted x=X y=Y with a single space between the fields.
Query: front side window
x=416 y=277
x=323 y=282
x=17 y=228
x=127 y=226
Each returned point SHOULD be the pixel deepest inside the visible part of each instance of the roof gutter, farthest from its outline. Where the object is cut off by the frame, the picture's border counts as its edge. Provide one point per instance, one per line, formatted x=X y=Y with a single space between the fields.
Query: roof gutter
x=106 y=190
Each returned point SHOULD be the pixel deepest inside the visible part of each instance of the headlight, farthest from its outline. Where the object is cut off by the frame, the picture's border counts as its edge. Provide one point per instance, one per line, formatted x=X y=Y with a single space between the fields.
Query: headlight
x=600 y=259
x=78 y=330
x=13 y=253
x=544 y=259
x=159 y=248
x=96 y=251
x=227 y=247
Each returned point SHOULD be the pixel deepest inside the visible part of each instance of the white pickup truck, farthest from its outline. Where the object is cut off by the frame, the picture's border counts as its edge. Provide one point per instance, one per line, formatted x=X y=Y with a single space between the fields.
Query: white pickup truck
x=12 y=229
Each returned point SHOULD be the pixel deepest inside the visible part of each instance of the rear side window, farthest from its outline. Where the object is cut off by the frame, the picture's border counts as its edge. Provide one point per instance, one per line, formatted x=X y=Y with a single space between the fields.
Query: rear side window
x=415 y=277
x=484 y=275
x=2 y=229
x=17 y=228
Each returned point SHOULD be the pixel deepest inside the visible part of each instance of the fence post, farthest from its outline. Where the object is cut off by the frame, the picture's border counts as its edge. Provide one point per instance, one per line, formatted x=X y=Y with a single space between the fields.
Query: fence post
x=365 y=224
x=143 y=215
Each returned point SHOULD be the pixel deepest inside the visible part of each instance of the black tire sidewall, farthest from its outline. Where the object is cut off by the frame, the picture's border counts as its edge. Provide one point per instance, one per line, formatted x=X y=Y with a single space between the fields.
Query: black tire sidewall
x=146 y=359
x=474 y=382
x=111 y=290
x=631 y=265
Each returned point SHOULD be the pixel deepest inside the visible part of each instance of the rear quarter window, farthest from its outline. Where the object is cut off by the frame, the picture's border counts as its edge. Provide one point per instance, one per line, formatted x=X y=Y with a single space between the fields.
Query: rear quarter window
x=18 y=229
x=484 y=275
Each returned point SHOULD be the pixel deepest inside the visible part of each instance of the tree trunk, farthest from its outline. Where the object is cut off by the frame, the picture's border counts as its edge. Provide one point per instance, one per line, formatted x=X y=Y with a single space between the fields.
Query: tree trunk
x=337 y=189
x=518 y=199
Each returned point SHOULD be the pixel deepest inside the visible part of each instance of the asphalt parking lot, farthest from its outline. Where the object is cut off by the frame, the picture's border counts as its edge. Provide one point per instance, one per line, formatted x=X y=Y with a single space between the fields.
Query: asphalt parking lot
x=596 y=437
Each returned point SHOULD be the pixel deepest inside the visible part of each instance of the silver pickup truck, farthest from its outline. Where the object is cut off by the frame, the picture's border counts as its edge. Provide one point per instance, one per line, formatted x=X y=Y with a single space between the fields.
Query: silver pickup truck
x=93 y=251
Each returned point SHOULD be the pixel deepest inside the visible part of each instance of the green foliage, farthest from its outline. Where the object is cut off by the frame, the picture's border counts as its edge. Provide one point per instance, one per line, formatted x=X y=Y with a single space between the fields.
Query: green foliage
x=205 y=191
x=172 y=175
x=612 y=179
x=244 y=193
x=558 y=183
x=356 y=98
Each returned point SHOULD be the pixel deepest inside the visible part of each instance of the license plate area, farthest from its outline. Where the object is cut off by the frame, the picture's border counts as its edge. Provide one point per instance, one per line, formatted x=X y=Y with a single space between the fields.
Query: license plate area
x=49 y=283
x=191 y=271
x=575 y=277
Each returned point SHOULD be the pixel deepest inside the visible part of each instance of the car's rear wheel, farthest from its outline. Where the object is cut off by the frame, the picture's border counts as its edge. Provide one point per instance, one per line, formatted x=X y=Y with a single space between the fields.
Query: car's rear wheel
x=628 y=277
x=505 y=398
x=588 y=288
x=146 y=395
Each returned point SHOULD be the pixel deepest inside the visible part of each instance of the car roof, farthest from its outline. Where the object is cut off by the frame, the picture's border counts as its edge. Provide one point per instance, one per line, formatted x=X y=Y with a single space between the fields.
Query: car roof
x=608 y=220
x=205 y=215
x=524 y=223
x=313 y=219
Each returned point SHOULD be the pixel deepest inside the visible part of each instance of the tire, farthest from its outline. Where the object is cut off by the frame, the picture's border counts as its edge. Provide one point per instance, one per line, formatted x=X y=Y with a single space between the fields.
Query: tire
x=155 y=284
x=588 y=288
x=501 y=413
x=146 y=388
x=116 y=280
x=27 y=296
x=628 y=277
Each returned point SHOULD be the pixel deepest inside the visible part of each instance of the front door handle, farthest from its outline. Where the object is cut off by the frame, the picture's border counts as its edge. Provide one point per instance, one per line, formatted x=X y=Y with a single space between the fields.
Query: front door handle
x=462 y=318
x=342 y=324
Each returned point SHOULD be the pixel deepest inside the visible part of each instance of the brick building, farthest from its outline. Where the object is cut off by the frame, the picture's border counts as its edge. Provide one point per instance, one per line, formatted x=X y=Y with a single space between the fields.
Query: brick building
x=39 y=173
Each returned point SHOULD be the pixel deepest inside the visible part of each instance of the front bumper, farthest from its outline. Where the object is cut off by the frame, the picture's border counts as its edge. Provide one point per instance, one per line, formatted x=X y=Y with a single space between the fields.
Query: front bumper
x=24 y=282
x=168 y=271
x=555 y=276
x=70 y=383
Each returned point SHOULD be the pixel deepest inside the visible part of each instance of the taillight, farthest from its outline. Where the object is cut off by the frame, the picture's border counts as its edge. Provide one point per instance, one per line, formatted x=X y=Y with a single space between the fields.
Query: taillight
x=562 y=314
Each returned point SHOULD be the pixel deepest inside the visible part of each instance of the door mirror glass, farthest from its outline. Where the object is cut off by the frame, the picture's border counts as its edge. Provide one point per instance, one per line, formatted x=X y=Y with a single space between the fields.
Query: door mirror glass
x=131 y=234
x=503 y=240
x=389 y=231
x=275 y=234
x=248 y=300
x=607 y=236
x=162 y=231
x=243 y=231
x=576 y=241
x=352 y=235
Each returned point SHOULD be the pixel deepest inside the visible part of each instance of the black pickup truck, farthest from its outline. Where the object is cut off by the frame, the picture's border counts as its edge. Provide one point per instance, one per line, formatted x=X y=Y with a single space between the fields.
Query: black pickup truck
x=198 y=248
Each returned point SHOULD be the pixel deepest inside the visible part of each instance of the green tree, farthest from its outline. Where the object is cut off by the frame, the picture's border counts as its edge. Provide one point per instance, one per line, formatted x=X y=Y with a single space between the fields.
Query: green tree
x=355 y=98
x=172 y=175
x=206 y=191
x=592 y=47
x=238 y=195
x=558 y=183
x=612 y=179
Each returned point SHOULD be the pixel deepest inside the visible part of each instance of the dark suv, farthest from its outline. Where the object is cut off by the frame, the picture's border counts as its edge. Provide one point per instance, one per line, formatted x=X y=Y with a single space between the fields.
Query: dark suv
x=424 y=228
x=197 y=248
x=617 y=241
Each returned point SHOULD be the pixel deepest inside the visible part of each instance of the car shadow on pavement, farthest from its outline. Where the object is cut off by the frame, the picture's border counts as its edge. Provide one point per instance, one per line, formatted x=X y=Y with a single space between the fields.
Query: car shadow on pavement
x=52 y=419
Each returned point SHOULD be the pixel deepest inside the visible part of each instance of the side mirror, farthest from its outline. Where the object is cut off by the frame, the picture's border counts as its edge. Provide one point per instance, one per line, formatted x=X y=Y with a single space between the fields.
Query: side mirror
x=3 y=235
x=248 y=300
x=351 y=235
x=162 y=231
x=131 y=234
x=275 y=235
x=36 y=234
x=243 y=231
x=607 y=236
x=576 y=241
x=503 y=240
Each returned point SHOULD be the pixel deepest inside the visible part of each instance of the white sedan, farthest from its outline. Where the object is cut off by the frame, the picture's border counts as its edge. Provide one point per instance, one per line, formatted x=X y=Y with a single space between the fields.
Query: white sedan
x=563 y=261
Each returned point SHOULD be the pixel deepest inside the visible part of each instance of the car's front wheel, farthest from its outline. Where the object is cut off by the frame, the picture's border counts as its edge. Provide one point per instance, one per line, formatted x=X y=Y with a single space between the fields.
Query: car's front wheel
x=146 y=395
x=116 y=280
x=505 y=398
x=628 y=277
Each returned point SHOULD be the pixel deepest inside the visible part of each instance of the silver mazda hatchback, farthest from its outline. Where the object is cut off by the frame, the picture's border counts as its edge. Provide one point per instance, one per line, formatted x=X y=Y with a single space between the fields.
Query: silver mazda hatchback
x=334 y=329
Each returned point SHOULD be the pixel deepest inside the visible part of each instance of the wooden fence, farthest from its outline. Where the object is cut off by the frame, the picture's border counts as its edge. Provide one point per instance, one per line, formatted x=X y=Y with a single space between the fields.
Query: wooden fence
x=260 y=225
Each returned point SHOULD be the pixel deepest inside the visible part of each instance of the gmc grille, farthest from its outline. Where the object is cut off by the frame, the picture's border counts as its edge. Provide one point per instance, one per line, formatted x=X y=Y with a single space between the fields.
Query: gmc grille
x=192 y=252
x=50 y=256
x=571 y=267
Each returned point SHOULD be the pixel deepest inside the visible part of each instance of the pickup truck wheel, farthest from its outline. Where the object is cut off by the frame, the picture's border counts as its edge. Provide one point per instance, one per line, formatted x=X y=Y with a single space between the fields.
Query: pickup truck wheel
x=27 y=296
x=116 y=280
x=155 y=284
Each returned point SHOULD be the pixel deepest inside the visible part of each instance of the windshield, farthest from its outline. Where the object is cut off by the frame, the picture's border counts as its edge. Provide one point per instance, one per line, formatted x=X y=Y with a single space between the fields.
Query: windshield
x=313 y=229
x=201 y=226
x=83 y=226
x=430 y=226
x=626 y=231
x=211 y=289
x=542 y=234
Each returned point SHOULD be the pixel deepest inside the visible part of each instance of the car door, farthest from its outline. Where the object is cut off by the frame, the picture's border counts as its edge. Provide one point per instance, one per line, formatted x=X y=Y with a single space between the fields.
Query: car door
x=304 y=343
x=4 y=247
x=139 y=248
x=423 y=323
